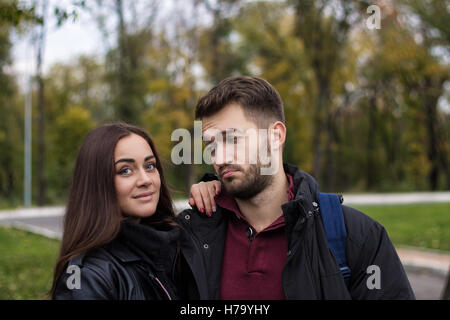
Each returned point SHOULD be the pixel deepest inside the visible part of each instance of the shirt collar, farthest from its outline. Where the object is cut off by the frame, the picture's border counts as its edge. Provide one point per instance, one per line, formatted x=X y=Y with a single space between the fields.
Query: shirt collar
x=226 y=201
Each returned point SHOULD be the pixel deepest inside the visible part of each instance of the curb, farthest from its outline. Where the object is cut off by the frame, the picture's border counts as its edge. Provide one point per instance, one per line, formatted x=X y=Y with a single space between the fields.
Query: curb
x=424 y=260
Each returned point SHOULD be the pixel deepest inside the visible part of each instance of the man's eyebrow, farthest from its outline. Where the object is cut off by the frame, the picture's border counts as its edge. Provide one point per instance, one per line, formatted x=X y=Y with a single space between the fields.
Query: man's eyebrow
x=223 y=133
x=132 y=160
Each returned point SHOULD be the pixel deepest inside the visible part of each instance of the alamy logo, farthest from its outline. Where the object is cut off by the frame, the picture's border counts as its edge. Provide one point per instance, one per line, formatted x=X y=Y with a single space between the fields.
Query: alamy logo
x=373 y=21
x=74 y=280
x=253 y=146
x=374 y=280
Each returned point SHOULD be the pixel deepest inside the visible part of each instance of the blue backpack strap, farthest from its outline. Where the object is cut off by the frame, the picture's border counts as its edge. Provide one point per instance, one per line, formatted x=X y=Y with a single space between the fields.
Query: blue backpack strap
x=333 y=222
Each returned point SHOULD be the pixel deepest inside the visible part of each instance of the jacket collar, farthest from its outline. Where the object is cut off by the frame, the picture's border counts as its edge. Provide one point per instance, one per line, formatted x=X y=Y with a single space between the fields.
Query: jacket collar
x=136 y=242
x=295 y=211
x=304 y=205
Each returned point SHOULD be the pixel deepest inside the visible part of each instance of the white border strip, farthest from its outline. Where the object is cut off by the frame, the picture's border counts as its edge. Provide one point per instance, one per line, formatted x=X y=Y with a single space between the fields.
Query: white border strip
x=36 y=229
x=397 y=198
x=32 y=213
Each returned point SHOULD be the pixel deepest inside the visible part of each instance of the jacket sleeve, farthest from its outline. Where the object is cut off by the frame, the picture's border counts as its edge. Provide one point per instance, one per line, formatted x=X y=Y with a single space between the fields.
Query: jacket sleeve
x=378 y=272
x=209 y=177
x=92 y=284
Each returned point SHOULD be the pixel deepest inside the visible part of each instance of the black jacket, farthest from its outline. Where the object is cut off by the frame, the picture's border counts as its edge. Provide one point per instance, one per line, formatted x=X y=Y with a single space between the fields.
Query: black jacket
x=311 y=270
x=139 y=264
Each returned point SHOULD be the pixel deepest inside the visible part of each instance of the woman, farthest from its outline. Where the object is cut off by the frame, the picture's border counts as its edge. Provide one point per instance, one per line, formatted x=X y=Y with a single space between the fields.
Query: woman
x=120 y=237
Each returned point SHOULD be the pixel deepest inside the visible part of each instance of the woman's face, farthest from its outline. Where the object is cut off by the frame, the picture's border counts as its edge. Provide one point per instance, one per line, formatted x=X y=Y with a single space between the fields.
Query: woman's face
x=136 y=179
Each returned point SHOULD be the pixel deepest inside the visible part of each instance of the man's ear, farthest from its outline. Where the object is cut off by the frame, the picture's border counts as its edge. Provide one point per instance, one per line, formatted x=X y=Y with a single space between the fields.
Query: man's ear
x=278 y=134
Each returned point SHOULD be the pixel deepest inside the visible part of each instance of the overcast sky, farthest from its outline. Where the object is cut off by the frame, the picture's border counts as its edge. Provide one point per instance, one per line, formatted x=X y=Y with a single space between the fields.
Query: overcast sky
x=72 y=39
x=63 y=44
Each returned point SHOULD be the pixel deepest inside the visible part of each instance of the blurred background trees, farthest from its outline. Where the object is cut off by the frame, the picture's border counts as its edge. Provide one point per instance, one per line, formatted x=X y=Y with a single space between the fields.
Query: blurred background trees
x=366 y=110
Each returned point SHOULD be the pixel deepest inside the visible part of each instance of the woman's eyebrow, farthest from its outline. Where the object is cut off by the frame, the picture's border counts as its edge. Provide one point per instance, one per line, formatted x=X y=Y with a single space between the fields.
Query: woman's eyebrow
x=132 y=160
x=124 y=160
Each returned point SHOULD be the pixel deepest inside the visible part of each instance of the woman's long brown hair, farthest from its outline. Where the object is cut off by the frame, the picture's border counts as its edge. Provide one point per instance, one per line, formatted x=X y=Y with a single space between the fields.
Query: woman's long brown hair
x=93 y=216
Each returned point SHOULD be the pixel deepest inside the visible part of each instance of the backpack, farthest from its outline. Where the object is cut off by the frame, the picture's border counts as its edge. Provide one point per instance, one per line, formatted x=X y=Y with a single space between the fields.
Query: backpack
x=333 y=223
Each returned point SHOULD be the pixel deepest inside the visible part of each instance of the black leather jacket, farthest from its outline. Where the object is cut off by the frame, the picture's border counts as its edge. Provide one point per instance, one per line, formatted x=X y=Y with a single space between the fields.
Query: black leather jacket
x=139 y=264
x=311 y=270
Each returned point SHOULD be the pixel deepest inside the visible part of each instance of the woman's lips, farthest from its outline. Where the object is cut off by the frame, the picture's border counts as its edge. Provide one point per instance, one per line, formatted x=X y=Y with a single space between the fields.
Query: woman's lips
x=145 y=196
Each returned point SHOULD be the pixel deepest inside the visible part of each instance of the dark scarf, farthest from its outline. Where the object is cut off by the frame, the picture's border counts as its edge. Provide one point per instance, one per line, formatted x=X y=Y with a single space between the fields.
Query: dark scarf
x=158 y=247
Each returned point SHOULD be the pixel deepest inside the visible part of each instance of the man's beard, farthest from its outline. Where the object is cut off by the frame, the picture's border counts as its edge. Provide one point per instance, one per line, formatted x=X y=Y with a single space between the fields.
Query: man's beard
x=251 y=185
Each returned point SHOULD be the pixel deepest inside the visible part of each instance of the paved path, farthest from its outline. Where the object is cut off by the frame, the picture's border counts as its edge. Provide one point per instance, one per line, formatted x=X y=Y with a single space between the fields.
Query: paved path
x=427 y=270
x=397 y=198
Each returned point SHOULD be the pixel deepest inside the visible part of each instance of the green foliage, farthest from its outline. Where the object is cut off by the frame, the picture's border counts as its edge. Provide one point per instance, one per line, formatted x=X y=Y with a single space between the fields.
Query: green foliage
x=14 y=12
x=369 y=98
x=66 y=137
x=11 y=127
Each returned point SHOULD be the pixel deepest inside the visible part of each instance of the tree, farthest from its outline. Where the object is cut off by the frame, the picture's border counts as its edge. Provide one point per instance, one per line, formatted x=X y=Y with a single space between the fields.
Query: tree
x=323 y=26
x=217 y=52
x=126 y=63
x=65 y=138
x=40 y=43
x=265 y=34
x=11 y=137
x=433 y=30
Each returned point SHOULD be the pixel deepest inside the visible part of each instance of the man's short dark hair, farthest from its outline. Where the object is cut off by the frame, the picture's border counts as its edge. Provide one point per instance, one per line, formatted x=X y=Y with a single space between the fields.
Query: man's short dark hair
x=260 y=101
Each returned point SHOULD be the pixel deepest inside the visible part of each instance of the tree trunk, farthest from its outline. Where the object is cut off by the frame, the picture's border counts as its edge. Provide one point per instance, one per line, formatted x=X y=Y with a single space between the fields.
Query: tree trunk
x=370 y=146
x=40 y=169
x=123 y=106
x=430 y=104
x=321 y=106
x=330 y=163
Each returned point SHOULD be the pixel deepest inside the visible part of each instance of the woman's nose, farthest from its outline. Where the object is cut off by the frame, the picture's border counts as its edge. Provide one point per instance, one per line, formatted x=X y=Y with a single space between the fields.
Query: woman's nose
x=143 y=178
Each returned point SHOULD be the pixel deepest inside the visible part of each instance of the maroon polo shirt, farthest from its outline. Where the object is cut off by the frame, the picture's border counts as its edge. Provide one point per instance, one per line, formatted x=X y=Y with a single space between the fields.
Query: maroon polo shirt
x=252 y=261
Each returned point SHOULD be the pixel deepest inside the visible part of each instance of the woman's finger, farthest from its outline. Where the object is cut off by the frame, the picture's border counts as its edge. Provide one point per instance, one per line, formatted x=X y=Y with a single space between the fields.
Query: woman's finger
x=217 y=187
x=212 y=194
x=197 y=198
x=203 y=188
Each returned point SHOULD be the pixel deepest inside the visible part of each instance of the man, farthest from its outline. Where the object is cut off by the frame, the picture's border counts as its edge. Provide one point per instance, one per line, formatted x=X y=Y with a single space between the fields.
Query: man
x=266 y=239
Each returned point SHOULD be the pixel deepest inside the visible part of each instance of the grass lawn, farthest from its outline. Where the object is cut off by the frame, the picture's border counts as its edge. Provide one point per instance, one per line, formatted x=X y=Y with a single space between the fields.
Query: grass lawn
x=418 y=225
x=26 y=264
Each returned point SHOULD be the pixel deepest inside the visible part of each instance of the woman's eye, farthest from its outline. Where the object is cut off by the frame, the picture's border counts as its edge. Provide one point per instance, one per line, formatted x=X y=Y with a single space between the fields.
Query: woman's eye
x=125 y=171
x=150 y=166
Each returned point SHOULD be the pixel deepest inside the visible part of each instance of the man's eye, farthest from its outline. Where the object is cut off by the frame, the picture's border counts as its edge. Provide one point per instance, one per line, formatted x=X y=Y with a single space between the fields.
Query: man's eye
x=232 y=139
x=210 y=145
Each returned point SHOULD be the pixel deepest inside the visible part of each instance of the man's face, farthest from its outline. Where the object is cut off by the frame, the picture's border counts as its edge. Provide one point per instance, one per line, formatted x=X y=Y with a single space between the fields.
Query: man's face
x=228 y=131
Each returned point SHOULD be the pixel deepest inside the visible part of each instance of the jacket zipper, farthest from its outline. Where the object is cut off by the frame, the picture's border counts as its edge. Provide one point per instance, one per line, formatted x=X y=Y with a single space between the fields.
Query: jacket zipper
x=164 y=289
x=152 y=276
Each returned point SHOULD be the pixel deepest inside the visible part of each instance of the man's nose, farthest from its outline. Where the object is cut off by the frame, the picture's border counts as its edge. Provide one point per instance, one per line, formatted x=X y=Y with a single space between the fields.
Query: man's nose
x=224 y=154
